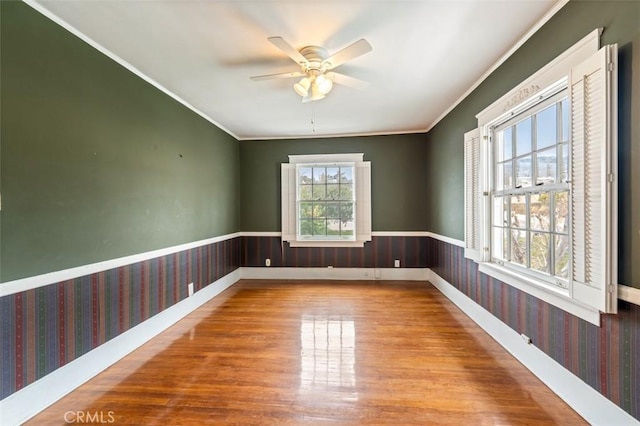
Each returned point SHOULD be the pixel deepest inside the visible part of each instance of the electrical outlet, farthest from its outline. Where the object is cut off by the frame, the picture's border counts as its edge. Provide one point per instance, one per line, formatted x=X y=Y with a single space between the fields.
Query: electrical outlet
x=526 y=338
x=376 y=274
x=267 y=262
x=396 y=263
x=190 y=289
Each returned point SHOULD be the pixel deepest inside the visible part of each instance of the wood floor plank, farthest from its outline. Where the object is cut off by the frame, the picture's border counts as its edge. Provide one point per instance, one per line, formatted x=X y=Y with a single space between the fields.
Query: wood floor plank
x=302 y=352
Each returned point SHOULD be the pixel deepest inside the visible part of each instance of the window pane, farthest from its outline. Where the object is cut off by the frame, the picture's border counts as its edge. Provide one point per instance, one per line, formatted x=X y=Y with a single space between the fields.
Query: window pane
x=319 y=227
x=506 y=232
x=508 y=175
x=346 y=174
x=523 y=137
x=346 y=212
x=561 y=246
x=333 y=210
x=348 y=227
x=540 y=214
x=333 y=191
x=523 y=172
x=546 y=130
x=546 y=163
x=319 y=175
x=333 y=227
x=306 y=210
x=499 y=243
x=305 y=192
x=319 y=210
x=540 y=251
x=507 y=143
x=319 y=192
x=561 y=212
x=564 y=163
x=333 y=174
x=306 y=227
x=499 y=177
x=565 y=119
x=518 y=211
x=304 y=175
x=500 y=211
x=519 y=247
x=346 y=191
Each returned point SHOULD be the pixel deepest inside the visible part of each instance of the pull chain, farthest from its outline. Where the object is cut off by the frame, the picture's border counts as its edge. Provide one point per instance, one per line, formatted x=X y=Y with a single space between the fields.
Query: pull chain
x=313 y=119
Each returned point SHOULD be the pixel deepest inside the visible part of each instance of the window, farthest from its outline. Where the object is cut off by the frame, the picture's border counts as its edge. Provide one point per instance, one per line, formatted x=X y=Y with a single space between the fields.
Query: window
x=530 y=191
x=540 y=183
x=326 y=200
x=325 y=197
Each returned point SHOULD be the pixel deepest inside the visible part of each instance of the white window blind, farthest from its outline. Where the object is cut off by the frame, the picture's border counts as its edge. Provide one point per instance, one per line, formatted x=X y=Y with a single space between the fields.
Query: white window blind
x=594 y=181
x=472 y=195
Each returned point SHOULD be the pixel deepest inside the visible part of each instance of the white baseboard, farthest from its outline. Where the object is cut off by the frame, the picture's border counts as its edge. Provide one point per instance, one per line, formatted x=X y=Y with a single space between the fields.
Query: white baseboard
x=37 y=396
x=586 y=401
x=270 y=273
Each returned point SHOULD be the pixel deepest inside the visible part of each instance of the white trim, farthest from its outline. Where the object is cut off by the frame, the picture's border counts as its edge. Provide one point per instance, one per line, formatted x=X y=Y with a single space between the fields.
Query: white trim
x=629 y=294
x=409 y=274
x=326 y=243
x=557 y=297
x=64 y=24
x=28 y=283
x=556 y=7
x=400 y=234
x=446 y=239
x=309 y=159
x=27 y=402
x=586 y=401
x=260 y=234
x=333 y=135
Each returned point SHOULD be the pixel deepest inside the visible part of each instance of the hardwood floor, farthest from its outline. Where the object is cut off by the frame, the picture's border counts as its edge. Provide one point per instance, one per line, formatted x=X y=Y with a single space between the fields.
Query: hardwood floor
x=301 y=352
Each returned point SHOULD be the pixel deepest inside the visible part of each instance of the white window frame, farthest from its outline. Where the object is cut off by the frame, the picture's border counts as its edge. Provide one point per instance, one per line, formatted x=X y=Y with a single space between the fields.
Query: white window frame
x=362 y=202
x=303 y=237
x=582 y=296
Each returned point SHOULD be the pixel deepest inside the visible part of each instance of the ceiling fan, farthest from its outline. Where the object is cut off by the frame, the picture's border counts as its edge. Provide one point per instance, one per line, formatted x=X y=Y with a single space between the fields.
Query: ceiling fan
x=315 y=68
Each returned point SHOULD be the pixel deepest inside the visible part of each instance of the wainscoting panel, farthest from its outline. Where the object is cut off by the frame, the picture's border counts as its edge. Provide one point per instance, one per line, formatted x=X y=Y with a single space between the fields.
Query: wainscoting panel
x=45 y=328
x=378 y=253
x=606 y=357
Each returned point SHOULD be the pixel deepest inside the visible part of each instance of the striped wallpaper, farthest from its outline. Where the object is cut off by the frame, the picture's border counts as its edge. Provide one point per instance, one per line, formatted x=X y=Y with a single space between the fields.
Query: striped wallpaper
x=380 y=252
x=607 y=358
x=45 y=328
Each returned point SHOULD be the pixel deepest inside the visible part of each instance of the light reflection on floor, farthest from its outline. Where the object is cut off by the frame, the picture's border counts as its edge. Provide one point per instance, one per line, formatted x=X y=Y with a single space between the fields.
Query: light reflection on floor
x=327 y=358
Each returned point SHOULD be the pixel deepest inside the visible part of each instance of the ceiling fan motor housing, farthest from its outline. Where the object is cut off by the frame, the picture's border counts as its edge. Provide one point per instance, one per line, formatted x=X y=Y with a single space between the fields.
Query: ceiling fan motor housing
x=315 y=55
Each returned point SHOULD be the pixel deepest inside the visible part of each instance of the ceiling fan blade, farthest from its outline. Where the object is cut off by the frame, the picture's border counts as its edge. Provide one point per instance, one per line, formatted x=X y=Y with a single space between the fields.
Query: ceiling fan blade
x=279 y=75
x=283 y=45
x=348 y=81
x=350 y=52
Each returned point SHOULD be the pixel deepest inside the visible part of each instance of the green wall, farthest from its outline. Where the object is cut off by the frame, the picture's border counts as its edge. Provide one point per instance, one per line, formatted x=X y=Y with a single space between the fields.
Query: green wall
x=444 y=152
x=96 y=163
x=397 y=178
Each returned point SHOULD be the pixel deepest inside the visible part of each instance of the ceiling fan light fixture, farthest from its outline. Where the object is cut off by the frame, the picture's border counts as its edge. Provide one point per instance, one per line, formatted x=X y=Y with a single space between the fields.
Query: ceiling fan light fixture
x=302 y=87
x=316 y=93
x=324 y=84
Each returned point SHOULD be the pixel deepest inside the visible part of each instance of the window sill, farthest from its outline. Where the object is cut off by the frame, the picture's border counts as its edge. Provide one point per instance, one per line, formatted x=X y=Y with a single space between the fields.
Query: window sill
x=312 y=243
x=558 y=297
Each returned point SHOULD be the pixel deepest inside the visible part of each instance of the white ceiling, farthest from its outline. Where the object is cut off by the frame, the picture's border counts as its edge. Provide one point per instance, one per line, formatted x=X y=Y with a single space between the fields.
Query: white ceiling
x=426 y=55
